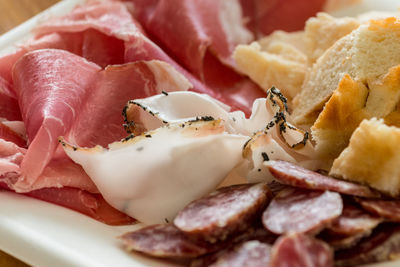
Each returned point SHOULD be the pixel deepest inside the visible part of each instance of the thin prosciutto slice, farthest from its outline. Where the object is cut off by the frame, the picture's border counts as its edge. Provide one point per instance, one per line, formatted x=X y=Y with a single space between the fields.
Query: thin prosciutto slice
x=92 y=205
x=50 y=98
x=100 y=121
x=8 y=133
x=189 y=28
x=263 y=17
x=87 y=110
x=91 y=44
x=9 y=108
x=201 y=35
x=100 y=31
x=109 y=17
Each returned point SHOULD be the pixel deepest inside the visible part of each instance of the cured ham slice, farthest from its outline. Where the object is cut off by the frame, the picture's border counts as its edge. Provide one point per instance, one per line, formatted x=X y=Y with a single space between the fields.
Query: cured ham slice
x=6 y=64
x=189 y=28
x=167 y=175
x=97 y=30
x=208 y=31
x=87 y=110
x=50 y=98
x=76 y=199
x=100 y=121
x=91 y=44
x=109 y=17
x=79 y=200
x=9 y=134
x=289 y=15
x=9 y=108
x=11 y=157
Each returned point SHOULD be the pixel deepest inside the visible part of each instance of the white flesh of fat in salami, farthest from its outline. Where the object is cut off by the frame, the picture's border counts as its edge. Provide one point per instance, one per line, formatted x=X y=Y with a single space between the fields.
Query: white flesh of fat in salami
x=153 y=176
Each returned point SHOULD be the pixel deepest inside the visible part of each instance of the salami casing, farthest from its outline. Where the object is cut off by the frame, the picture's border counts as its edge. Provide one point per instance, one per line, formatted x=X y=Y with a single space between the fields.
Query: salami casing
x=223 y=212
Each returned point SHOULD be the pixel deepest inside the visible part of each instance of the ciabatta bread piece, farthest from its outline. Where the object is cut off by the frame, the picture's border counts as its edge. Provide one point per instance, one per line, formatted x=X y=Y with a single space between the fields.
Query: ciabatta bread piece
x=274 y=61
x=372 y=157
x=365 y=54
x=322 y=31
x=349 y=104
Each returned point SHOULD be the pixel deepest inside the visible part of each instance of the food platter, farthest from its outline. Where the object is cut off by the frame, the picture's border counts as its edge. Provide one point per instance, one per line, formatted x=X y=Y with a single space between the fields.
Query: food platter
x=43 y=234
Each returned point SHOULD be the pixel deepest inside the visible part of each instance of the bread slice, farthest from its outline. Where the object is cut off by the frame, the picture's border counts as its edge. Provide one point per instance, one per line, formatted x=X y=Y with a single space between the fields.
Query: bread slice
x=365 y=54
x=372 y=157
x=340 y=117
x=352 y=102
x=322 y=31
x=274 y=61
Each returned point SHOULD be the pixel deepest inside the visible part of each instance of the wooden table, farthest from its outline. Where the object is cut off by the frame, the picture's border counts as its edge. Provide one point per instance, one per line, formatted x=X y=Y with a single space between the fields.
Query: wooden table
x=13 y=13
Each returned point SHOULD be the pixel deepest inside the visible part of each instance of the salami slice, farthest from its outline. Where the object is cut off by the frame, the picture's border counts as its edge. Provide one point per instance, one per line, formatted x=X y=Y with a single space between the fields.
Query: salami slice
x=301 y=210
x=388 y=209
x=382 y=245
x=354 y=220
x=291 y=174
x=251 y=253
x=164 y=240
x=225 y=211
x=352 y=225
x=300 y=250
x=256 y=232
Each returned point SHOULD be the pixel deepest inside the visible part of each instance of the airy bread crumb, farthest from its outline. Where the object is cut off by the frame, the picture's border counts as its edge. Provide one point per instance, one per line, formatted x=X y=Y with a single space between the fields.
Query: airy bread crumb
x=352 y=102
x=274 y=61
x=365 y=54
x=372 y=157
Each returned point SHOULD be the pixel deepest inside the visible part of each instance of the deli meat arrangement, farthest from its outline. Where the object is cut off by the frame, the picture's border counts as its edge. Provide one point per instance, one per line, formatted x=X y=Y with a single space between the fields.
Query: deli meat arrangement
x=227 y=127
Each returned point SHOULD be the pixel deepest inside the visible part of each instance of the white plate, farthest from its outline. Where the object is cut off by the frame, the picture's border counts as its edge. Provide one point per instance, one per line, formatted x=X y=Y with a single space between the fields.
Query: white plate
x=43 y=234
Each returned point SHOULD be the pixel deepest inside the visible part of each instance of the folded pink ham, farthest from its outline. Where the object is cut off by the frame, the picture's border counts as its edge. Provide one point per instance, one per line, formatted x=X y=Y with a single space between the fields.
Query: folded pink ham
x=263 y=17
x=75 y=75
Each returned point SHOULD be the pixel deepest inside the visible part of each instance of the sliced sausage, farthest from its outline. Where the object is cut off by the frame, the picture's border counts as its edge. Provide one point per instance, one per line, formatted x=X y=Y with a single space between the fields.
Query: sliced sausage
x=301 y=210
x=338 y=241
x=164 y=240
x=388 y=209
x=382 y=245
x=301 y=251
x=223 y=212
x=294 y=175
x=354 y=220
x=352 y=225
x=251 y=253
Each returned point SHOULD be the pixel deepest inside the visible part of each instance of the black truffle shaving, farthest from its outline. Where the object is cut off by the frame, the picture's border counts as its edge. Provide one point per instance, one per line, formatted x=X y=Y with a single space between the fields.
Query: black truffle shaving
x=129 y=137
x=280 y=116
x=281 y=97
x=164 y=93
x=265 y=156
x=247 y=142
